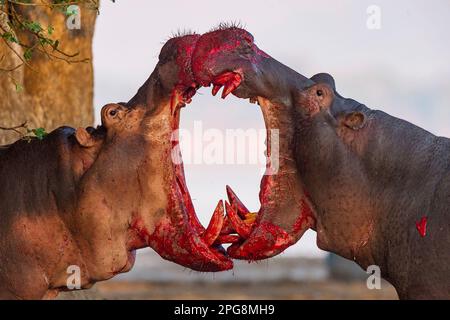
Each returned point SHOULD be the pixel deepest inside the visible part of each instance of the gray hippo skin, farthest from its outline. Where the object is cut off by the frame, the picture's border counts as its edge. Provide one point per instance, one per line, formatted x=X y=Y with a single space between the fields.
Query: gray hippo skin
x=375 y=188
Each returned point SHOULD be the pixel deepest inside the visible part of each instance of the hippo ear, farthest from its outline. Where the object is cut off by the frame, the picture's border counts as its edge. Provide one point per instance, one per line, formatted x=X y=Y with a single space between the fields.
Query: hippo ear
x=84 y=138
x=324 y=78
x=354 y=120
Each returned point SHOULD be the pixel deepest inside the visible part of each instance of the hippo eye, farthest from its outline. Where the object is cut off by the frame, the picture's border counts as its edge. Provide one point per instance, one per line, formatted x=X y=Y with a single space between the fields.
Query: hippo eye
x=319 y=92
x=113 y=112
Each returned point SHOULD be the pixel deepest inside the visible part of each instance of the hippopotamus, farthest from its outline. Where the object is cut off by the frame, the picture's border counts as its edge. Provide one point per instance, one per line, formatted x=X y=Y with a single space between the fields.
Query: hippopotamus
x=89 y=197
x=375 y=188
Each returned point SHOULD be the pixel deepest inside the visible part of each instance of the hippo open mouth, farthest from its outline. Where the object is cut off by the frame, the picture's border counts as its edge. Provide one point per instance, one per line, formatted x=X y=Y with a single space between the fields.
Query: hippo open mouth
x=228 y=58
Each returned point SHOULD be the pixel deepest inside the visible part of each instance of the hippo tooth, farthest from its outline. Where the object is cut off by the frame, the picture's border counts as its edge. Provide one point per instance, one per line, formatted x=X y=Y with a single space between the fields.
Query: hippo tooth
x=215 y=225
x=216 y=89
x=231 y=85
x=236 y=203
x=239 y=226
x=228 y=89
x=231 y=80
x=224 y=78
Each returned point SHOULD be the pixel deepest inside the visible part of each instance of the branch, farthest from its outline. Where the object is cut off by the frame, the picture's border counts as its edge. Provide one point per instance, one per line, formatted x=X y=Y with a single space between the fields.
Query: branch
x=43 y=42
x=46 y=4
x=16 y=128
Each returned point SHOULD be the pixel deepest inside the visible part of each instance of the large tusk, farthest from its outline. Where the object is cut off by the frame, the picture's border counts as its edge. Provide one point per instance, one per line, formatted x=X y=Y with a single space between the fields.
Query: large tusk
x=215 y=225
x=237 y=203
x=239 y=226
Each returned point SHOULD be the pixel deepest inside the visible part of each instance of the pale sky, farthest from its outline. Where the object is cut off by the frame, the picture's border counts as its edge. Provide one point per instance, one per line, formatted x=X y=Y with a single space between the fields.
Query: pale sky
x=402 y=68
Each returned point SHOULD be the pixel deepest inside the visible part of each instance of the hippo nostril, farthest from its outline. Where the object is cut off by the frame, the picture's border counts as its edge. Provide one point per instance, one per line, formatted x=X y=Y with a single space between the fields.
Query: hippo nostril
x=113 y=112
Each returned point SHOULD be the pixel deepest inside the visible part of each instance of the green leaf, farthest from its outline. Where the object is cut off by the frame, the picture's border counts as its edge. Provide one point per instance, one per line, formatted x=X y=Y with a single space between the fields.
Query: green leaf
x=45 y=41
x=50 y=30
x=71 y=12
x=33 y=26
x=28 y=54
x=40 y=133
x=9 y=37
x=19 y=87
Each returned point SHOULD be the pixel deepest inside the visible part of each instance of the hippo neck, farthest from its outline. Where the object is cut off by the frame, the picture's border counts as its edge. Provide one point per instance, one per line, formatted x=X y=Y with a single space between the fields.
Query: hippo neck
x=406 y=184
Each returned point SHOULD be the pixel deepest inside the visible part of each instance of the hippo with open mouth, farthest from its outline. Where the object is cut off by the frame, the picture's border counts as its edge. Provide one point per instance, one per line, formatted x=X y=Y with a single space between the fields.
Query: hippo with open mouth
x=375 y=188
x=90 y=197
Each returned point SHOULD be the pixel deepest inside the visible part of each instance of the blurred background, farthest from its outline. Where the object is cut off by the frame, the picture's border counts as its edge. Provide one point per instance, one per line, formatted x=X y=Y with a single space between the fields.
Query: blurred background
x=401 y=67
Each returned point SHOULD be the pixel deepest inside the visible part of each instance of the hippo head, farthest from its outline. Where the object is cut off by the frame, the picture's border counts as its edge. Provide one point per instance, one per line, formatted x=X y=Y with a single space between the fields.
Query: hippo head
x=134 y=192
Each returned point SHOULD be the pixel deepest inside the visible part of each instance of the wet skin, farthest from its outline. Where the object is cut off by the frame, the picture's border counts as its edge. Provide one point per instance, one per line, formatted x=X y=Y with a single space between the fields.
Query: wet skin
x=375 y=188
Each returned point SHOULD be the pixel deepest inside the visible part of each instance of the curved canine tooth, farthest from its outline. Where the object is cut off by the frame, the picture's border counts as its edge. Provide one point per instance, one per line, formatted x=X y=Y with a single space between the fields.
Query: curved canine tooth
x=231 y=85
x=215 y=225
x=229 y=88
x=231 y=80
x=216 y=89
x=237 y=203
x=239 y=226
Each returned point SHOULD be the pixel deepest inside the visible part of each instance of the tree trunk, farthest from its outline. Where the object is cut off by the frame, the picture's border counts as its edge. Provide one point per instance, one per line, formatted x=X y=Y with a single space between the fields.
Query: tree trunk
x=55 y=92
